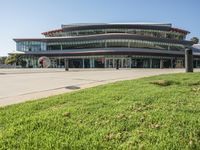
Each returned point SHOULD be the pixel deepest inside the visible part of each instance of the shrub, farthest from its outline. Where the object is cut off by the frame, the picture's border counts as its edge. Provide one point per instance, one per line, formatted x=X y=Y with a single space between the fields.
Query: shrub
x=162 y=82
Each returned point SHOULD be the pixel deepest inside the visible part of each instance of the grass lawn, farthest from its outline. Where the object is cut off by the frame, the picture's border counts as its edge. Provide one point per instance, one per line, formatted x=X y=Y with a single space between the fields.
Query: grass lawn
x=160 y=112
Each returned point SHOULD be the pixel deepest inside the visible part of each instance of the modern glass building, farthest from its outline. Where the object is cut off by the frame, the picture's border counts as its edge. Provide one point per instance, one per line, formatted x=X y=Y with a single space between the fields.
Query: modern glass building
x=109 y=45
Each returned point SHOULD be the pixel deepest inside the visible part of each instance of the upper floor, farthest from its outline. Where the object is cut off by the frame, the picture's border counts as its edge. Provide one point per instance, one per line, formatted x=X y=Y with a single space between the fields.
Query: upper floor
x=143 y=29
x=85 y=36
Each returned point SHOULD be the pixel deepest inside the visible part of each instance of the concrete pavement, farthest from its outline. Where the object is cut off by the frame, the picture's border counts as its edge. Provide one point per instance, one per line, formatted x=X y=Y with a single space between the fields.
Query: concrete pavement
x=19 y=85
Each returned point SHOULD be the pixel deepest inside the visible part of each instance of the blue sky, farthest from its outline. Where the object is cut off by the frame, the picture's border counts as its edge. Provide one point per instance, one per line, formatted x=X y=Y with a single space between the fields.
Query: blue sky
x=29 y=18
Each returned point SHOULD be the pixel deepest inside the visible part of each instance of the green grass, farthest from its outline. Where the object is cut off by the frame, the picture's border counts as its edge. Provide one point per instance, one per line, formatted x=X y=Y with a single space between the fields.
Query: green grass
x=161 y=112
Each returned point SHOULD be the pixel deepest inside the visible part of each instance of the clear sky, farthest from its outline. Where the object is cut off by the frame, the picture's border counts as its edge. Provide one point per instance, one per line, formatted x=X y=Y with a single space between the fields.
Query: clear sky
x=29 y=18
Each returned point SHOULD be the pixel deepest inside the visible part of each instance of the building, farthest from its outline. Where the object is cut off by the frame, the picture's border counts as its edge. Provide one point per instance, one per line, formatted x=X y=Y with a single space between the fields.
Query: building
x=196 y=48
x=131 y=45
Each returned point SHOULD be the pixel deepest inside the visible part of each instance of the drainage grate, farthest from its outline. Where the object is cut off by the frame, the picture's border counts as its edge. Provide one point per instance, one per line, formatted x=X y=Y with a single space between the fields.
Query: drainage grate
x=72 y=87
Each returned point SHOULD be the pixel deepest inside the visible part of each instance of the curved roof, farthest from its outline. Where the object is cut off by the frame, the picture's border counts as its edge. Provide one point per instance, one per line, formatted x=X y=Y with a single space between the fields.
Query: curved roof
x=150 y=26
x=117 y=25
x=53 y=31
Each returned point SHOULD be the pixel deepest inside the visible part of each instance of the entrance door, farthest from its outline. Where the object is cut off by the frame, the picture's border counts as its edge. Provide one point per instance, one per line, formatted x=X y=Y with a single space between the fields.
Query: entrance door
x=76 y=63
x=99 y=62
x=109 y=63
x=140 y=63
x=155 y=63
x=87 y=63
x=167 y=63
x=126 y=63
x=117 y=63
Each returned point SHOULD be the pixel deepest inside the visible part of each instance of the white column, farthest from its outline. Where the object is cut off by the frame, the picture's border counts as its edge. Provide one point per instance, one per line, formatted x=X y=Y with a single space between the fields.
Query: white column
x=196 y=63
x=91 y=63
x=66 y=64
x=161 y=63
x=171 y=63
x=83 y=63
x=122 y=63
x=59 y=62
x=105 y=64
x=151 y=63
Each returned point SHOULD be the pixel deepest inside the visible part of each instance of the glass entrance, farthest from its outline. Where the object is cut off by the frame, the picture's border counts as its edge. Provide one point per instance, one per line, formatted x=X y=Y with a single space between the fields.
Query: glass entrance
x=167 y=63
x=76 y=63
x=140 y=63
x=86 y=63
x=122 y=62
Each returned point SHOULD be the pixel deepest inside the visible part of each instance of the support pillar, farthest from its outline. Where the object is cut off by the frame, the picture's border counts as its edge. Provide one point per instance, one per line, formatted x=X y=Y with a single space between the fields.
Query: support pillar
x=196 y=64
x=172 y=65
x=188 y=60
x=83 y=63
x=161 y=63
x=91 y=63
x=59 y=62
x=122 y=63
x=105 y=64
x=151 y=63
x=66 y=64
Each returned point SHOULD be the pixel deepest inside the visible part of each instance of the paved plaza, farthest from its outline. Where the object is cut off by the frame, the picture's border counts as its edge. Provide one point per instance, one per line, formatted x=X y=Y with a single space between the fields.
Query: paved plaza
x=19 y=85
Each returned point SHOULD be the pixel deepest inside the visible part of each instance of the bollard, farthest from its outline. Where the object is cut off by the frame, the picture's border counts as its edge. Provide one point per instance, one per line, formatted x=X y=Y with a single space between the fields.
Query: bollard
x=66 y=64
x=188 y=60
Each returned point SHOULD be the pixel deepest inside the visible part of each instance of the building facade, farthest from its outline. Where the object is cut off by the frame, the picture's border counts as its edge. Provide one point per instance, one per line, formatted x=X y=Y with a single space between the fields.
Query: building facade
x=109 y=46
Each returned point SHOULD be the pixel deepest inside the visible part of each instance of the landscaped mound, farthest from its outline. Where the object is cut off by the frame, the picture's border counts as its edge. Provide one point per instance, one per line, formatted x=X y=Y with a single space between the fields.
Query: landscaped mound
x=161 y=112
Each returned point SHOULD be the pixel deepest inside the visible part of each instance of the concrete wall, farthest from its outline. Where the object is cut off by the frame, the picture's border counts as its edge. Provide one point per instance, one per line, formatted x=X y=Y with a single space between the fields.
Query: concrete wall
x=7 y=66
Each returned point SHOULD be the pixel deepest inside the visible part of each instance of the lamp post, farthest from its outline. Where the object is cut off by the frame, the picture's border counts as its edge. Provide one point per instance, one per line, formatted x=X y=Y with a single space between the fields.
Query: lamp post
x=188 y=60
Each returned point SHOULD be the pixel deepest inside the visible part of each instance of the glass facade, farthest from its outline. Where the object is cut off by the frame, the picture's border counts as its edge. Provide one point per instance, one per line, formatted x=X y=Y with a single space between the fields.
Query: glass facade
x=143 y=32
x=114 y=43
x=31 y=46
x=34 y=46
x=111 y=62
x=74 y=43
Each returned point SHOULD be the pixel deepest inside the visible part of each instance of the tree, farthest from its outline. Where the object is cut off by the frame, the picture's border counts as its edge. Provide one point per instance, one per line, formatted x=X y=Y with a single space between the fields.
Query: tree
x=2 y=60
x=14 y=59
x=11 y=59
x=194 y=40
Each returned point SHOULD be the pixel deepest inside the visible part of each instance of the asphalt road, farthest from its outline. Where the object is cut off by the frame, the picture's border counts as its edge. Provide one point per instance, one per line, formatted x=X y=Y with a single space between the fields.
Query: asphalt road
x=19 y=85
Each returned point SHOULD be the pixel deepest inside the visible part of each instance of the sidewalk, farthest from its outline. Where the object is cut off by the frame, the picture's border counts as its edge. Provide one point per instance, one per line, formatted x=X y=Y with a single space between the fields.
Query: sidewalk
x=20 y=85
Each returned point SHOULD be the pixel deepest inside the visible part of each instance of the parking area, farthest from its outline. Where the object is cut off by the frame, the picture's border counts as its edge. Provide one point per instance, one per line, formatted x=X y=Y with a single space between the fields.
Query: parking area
x=19 y=85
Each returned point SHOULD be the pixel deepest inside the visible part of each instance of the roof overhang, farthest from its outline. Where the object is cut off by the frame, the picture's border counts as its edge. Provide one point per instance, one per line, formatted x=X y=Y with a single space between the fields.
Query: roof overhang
x=108 y=51
x=16 y=52
x=105 y=37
